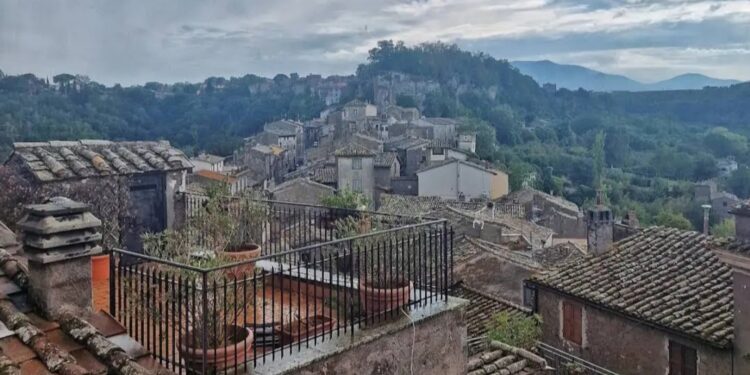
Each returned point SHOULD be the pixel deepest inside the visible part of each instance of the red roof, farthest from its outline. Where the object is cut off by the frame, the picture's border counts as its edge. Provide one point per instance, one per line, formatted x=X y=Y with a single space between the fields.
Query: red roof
x=216 y=176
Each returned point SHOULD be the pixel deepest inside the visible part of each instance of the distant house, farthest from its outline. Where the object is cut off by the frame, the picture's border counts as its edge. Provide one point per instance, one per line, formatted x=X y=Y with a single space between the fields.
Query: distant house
x=440 y=151
x=326 y=175
x=356 y=169
x=301 y=190
x=357 y=110
x=413 y=153
x=140 y=178
x=458 y=179
x=387 y=167
x=287 y=134
x=439 y=128
x=373 y=144
x=554 y=212
x=208 y=162
x=726 y=166
x=467 y=142
x=658 y=302
x=265 y=163
x=721 y=202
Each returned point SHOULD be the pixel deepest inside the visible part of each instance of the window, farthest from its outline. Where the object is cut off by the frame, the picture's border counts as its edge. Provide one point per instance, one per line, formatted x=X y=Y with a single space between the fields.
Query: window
x=357 y=163
x=682 y=359
x=529 y=297
x=572 y=322
x=357 y=184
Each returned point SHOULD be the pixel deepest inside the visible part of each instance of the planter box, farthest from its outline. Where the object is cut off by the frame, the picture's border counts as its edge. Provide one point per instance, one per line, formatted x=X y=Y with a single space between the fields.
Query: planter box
x=309 y=327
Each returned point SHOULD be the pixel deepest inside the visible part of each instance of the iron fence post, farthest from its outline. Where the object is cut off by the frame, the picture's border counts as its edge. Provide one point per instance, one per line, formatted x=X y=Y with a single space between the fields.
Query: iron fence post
x=112 y=291
x=204 y=321
x=445 y=260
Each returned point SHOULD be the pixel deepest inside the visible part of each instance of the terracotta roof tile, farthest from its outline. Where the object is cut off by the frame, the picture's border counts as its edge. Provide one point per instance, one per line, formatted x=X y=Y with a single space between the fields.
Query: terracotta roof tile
x=502 y=359
x=57 y=160
x=668 y=277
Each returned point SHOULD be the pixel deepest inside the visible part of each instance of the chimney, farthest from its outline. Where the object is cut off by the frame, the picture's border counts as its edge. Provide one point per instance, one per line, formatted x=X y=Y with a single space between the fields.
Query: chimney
x=599 y=226
x=742 y=221
x=706 y=210
x=59 y=238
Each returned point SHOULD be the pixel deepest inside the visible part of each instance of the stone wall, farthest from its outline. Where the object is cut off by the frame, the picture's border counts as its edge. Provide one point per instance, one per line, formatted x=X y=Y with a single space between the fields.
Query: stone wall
x=433 y=345
x=623 y=345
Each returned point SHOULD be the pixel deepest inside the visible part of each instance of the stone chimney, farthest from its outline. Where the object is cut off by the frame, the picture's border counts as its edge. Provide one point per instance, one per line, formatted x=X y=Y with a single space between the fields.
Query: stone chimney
x=599 y=227
x=59 y=238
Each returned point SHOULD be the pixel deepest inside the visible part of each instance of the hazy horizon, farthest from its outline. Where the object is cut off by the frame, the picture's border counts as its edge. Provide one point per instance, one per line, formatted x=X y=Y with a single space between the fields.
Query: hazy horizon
x=132 y=42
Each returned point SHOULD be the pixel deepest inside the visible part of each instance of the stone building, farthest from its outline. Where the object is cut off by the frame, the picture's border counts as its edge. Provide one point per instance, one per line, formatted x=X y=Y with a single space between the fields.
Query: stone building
x=133 y=185
x=413 y=153
x=357 y=110
x=387 y=167
x=662 y=293
x=286 y=134
x=554 y=212
x=265 y=163
x=722 y=202
x=356 y=170
x=467 y=141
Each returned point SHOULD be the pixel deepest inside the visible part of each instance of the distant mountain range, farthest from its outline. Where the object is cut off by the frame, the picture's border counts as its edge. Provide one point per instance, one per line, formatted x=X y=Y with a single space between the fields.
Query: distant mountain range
x=574 y=76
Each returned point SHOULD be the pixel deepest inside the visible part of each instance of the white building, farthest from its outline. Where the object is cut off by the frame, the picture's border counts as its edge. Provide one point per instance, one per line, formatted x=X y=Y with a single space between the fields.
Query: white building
x=462 y=180
x=208 y=162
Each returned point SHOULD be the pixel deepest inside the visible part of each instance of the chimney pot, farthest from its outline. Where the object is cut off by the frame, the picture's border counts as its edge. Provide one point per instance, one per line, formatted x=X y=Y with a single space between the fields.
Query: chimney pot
x=59 y=238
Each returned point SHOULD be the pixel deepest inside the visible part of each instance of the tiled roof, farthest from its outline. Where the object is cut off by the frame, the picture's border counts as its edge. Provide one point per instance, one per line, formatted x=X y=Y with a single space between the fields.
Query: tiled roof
x=385 y=159
x=325 y=175
x=412 y=205
x=464 y=162
x=405 y=143
x=283 y=127
x=300 y=181
x=668 y=277
x=31 y=344
x=216 y=176
x=8 y=239
x=209 y=158
x=526 y=195
x=355 y=103
x=354 y=150
x=482 y=308
x=442 y=121
x=62 y=160
x=502 y=359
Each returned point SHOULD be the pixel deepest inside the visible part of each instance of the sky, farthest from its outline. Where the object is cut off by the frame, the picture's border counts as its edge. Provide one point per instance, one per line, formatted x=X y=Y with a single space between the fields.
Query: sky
x=136 y=41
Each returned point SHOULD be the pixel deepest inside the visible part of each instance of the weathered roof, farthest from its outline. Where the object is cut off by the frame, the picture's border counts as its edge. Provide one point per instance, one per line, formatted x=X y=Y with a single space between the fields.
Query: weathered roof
x=30 y=344
x=325 y=175
x=355 y=103
x=385 y=159
x=63 y=160
x=501 y=359
x=441 y=121
x=412 y=205
x=354 y=150
x=8 y=239
x=526 y=195
x=405 y=143
x=482 y=308
x=301 y=181
x=668 y=277
x=283 y=127
x=216 y=176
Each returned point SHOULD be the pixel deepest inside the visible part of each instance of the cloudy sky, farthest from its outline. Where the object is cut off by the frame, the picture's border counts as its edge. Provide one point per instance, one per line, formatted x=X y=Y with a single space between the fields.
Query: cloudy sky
x=135 y=41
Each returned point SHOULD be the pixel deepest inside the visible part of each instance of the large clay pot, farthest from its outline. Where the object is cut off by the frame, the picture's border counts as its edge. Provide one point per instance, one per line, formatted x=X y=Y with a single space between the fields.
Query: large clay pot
x=379 y=300
x=239 y=351
x=242 y=254
x=100 y=268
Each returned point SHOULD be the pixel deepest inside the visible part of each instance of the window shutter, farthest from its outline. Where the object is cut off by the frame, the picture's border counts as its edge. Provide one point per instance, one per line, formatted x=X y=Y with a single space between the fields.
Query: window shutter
x=577 y=324
x=567 y=323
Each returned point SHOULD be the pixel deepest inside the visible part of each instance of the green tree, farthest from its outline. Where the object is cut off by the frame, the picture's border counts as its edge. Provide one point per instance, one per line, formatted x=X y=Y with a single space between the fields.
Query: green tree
x=516 y=330
x=347 y=199
x=725 y=229
x=673 y=220
x=406 y=101
x=725 y=143
x=739 y=182
x=597 y=154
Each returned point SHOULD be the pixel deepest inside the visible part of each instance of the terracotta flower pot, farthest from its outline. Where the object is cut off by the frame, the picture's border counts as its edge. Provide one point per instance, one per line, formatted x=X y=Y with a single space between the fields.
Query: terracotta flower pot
x=100 y=267
x=308 y=327
x=242 y=254
x=379 y=300
x=239 y=351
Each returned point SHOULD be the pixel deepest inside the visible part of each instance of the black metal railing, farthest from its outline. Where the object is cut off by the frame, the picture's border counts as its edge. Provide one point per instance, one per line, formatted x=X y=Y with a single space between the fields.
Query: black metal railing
x=227 y=318
x=281 y=226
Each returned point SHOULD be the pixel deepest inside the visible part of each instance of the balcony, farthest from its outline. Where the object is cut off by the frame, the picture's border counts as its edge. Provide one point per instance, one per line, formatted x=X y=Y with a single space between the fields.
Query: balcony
x=312 y=285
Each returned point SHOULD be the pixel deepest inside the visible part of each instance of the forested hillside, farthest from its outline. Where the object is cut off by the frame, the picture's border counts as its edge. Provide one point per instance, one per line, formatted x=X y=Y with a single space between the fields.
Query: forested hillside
x=655 y=144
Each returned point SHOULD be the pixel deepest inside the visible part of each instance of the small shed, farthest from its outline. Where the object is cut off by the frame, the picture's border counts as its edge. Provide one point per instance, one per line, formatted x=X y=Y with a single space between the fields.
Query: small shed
x=130 y=185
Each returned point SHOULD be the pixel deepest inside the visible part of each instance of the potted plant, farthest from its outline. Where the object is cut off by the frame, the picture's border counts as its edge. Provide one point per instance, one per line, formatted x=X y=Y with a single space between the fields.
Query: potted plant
x=248 y=220
x=383 y=293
